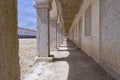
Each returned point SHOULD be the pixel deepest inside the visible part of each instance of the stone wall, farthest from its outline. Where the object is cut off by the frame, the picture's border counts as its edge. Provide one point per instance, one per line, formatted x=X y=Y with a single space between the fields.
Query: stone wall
x=110 y=36
x=89 y=43
x=9 y=62
x=103 y=43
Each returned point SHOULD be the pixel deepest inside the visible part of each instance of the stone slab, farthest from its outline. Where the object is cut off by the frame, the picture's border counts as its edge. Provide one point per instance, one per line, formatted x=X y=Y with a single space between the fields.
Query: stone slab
x=44 y=59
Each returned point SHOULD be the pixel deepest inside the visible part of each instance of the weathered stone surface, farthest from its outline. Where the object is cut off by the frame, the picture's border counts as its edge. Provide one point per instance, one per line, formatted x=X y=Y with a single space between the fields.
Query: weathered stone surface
x=53 y=25
x=43 y=32
x=42 y=3
x=43 y=27
x=110 y=36
x=43 y=59
x=58 y=35
x=90 y=43
x=9 y=61
x=103 y=42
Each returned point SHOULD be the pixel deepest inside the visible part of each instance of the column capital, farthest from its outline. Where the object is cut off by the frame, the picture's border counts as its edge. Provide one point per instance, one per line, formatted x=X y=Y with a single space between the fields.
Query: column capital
x=42 y=4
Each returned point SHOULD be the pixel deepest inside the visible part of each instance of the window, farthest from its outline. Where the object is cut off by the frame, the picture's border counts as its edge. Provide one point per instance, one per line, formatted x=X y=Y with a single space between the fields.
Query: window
x=88 y=21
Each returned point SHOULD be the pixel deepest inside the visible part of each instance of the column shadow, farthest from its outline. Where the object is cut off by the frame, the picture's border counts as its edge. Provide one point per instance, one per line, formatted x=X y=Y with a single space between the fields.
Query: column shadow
x=81 y=66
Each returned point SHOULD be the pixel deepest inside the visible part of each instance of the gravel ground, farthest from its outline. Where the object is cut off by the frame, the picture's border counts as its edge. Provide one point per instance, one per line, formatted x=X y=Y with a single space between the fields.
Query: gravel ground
x=27 y=53
x=70 y=63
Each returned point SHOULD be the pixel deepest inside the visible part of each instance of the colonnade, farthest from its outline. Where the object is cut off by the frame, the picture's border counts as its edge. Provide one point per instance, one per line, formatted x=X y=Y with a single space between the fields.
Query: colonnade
x=101 y=43
x=49 y=30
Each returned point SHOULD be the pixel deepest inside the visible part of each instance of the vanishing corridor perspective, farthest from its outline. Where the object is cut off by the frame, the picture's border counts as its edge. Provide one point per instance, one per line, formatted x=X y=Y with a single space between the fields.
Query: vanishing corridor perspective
x=77 y=39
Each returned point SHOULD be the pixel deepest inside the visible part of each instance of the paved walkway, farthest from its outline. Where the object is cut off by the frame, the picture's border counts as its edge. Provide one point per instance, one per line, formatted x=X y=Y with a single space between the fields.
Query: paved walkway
x=71 y=64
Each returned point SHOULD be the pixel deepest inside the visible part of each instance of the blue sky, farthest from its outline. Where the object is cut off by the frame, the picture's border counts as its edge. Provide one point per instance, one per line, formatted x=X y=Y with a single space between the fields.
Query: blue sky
x=26 y=14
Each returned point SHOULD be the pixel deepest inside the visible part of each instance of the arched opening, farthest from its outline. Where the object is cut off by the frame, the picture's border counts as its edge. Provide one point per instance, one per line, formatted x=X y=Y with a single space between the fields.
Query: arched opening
x=26 y=35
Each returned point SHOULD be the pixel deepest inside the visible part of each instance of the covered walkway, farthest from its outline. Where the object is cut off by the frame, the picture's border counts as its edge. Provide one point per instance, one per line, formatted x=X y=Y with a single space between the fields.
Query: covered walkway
x=71 y=63
x=93 y=25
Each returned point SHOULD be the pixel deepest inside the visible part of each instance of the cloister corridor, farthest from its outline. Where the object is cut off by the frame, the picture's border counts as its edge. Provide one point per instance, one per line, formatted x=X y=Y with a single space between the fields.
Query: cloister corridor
x=75 y=40
x=71 y=63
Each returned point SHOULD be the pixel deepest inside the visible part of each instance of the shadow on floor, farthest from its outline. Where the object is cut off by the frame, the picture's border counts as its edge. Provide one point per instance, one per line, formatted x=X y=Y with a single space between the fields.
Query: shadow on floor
x=81 y=66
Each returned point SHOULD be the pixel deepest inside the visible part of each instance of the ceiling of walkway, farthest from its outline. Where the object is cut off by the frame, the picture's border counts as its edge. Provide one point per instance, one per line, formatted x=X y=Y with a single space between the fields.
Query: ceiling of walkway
x=69 y=10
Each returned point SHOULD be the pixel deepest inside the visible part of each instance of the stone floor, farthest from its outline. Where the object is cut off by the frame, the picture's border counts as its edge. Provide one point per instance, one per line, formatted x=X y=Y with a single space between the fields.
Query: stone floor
x=71 y=63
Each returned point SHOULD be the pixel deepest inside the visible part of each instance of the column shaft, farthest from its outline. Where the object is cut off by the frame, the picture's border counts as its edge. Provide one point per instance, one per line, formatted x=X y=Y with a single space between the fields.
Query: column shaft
x=43 y=32
x=58 y=35
x=9 y=59
x=53 y=34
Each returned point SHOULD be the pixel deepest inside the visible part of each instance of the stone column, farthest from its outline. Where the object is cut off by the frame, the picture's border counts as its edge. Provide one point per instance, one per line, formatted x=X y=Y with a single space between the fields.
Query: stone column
x=58 y=35
x=43 y=30
x=61 y=39
x=53 y=37
x=9 y=61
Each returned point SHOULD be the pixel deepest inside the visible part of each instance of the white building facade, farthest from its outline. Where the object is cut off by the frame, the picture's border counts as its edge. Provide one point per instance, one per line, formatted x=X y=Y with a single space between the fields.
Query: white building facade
x=26 y=33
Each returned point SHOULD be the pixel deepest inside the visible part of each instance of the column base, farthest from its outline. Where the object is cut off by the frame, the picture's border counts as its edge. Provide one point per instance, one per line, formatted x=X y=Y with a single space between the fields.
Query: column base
x=44 y=59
